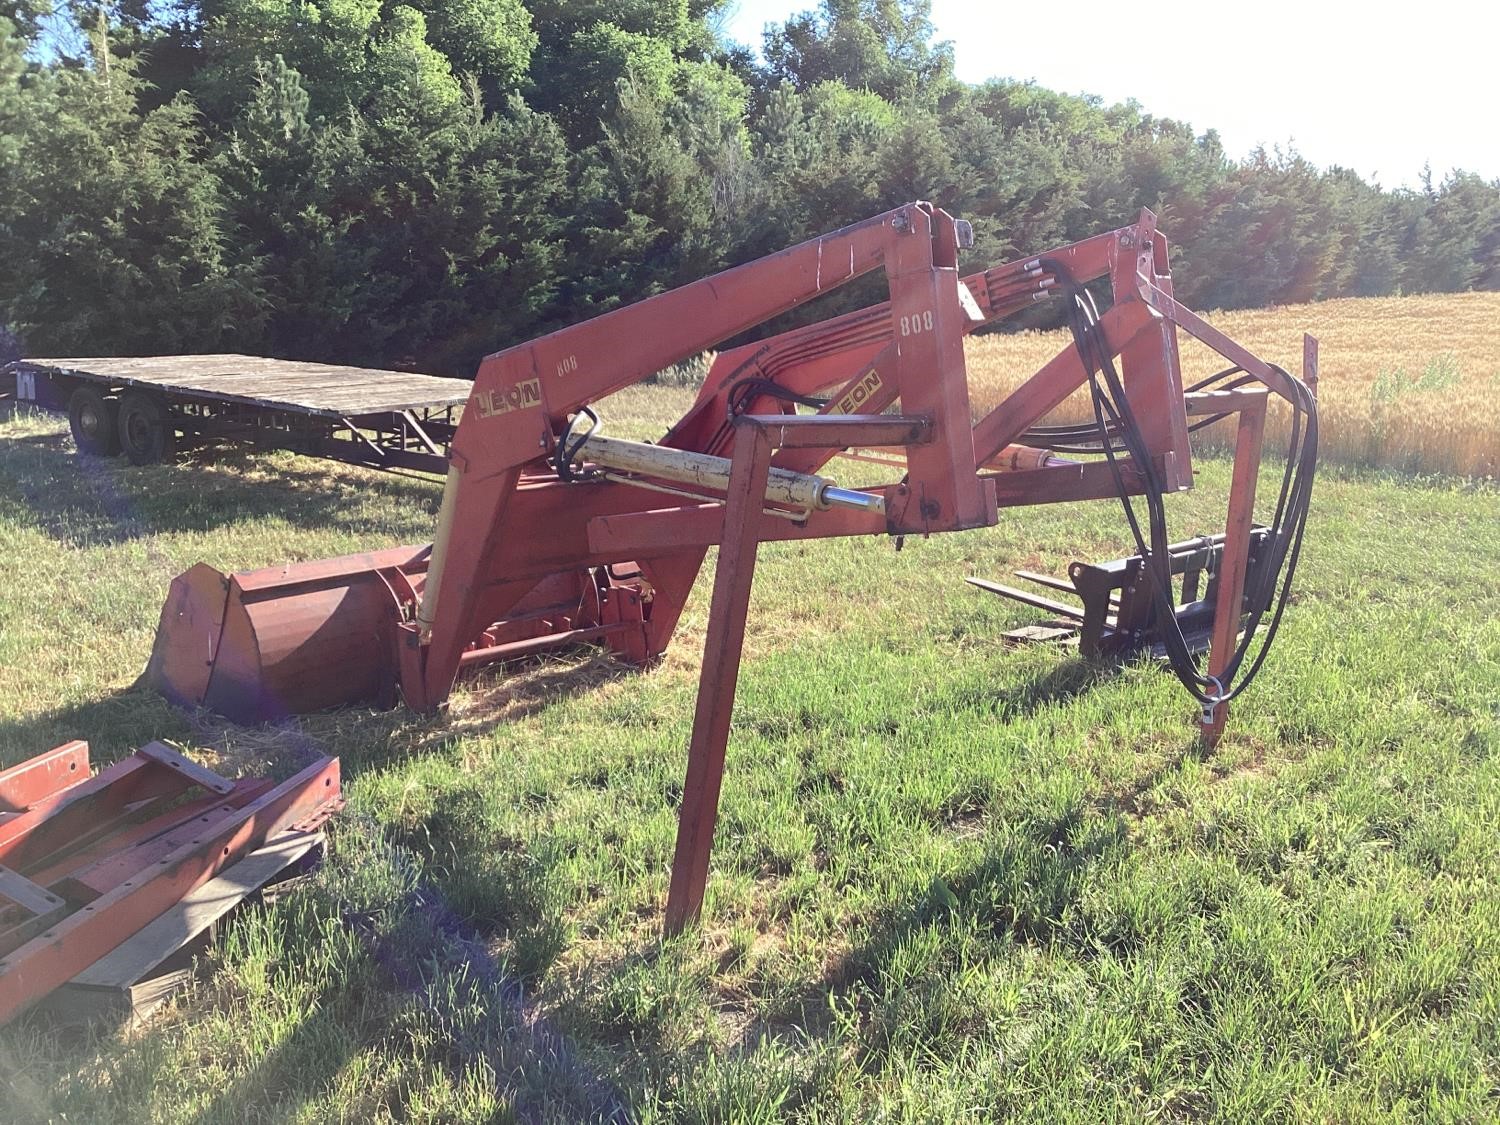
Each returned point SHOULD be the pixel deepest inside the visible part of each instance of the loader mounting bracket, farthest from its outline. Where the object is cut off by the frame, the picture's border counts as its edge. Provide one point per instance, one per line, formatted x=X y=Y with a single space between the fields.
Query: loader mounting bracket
x=1118 y=619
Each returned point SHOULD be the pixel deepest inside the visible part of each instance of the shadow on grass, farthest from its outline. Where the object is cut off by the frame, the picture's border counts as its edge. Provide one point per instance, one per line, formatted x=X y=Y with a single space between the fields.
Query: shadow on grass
x=439 y=957
x=291 y=1074
x=902 y=976
x=1027 y=882
x=1023 y=886
x=1065 y=681
x=113 y=725
x=426 y=972
x=367 y=739
x=1031 y=887
x=83 y=501
x=363 y=738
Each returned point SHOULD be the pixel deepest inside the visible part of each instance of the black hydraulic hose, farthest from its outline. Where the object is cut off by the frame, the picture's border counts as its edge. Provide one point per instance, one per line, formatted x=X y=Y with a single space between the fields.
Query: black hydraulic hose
x=1083 y=437
x=572 y=442
x=1219 y=377
x=742 y=392
x=1114 y=419
x=1298 y=504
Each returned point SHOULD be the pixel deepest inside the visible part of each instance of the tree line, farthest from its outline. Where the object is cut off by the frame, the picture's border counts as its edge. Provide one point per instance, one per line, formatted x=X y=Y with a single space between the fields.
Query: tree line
x=416 y=184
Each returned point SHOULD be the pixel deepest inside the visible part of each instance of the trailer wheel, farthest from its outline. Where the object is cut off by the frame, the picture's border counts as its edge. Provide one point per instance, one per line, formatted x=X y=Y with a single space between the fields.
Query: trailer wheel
x=146 y=431
x=94 y=422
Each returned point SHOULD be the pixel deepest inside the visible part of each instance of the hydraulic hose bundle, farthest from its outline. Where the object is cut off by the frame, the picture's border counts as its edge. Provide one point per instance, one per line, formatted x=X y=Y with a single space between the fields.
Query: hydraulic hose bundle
x=1115 y=431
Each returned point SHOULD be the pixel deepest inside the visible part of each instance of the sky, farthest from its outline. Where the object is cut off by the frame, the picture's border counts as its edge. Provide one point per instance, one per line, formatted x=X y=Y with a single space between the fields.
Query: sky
x=1379 y=88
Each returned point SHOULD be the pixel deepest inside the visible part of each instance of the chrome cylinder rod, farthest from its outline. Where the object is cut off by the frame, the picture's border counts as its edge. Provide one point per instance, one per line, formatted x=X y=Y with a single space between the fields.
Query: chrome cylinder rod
x=835 y=497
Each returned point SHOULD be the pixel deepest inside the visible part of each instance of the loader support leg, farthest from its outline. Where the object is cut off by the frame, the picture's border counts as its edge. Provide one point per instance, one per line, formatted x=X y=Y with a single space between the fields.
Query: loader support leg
x=458 y=556
x=733 y=576
x=1236 y=558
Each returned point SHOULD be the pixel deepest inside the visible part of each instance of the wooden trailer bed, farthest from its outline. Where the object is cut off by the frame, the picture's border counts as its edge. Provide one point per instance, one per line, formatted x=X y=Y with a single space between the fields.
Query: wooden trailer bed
x=148 y=407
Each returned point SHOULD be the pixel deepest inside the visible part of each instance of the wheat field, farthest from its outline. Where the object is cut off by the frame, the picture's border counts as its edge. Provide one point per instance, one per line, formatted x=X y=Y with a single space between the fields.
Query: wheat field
x=1406 y=382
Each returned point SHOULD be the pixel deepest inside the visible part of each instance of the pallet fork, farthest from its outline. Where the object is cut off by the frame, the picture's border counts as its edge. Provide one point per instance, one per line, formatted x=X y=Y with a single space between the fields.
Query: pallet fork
x=1118 y=618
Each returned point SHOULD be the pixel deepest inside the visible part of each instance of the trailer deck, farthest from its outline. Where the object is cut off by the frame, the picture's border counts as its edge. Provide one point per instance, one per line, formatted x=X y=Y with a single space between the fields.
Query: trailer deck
x=148 y=407
x=309 y=388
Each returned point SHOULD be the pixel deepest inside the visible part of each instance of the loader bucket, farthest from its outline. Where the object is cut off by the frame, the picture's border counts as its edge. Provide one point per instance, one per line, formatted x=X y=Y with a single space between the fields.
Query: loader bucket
x=265 y=644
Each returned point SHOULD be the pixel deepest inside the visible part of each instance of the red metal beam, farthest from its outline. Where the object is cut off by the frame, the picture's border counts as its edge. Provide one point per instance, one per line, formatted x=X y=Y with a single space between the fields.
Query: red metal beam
x=844 y=431
x=71 y=945
x=1065 y=483
x=1195 y=326
x=23 y=785
x=642 y=535
x=716 y=681
x=62 y=819
x=137 y=850
x=1049 y=388
x=1235 y=562
x=58 y=869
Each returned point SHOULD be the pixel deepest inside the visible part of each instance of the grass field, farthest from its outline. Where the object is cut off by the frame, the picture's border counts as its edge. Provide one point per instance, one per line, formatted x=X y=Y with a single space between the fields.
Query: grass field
x=953 y=881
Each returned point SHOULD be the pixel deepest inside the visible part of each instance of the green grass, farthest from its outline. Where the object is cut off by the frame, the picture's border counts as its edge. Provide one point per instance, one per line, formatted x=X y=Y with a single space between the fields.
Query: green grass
x=952 y=880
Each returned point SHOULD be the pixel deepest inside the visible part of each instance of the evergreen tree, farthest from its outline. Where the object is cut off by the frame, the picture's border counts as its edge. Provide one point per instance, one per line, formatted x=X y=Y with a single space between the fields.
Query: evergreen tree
x=884 y=46
x=417 y=182
x=490 y=39
x=110 y=219
x=1454 y=242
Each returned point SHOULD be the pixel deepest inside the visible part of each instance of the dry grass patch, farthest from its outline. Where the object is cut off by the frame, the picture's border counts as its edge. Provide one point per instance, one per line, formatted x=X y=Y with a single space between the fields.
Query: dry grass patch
x=1407 y=382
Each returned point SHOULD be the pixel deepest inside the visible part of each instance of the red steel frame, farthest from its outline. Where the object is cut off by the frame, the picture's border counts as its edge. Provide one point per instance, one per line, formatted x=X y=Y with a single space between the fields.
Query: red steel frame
x=516 y=547
x=88 y=861
x=909 y=349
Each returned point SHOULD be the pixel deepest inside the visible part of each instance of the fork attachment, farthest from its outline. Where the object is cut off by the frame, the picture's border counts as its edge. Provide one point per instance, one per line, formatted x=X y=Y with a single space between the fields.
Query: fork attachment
x=1118 y=619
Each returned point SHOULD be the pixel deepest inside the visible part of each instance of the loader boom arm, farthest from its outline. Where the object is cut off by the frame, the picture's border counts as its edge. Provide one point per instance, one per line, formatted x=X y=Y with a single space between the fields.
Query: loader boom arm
x=522 y=396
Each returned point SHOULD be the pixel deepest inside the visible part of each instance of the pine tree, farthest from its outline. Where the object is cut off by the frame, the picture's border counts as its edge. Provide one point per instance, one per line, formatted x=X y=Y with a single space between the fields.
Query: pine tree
x=111 y=220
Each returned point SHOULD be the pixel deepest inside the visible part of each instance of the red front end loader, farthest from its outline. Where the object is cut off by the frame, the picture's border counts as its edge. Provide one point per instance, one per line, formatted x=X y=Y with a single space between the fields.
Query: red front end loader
x=551 y=532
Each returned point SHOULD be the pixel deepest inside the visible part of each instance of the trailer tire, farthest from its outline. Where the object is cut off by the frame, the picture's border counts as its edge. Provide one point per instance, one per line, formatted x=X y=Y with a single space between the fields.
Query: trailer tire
x=146 y=432
x=94 y=420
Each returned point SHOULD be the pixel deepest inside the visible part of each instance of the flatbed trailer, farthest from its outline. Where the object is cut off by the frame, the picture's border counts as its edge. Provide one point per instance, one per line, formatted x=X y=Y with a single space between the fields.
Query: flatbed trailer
x=148 y=408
